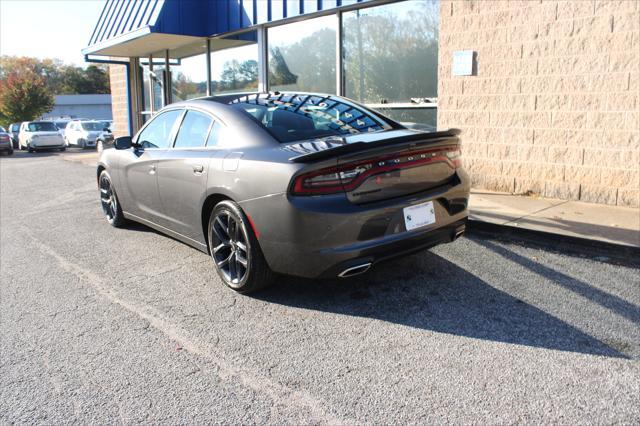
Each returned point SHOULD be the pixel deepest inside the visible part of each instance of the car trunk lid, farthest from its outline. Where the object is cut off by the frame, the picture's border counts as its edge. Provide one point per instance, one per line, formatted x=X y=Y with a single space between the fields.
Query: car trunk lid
x=379 y=166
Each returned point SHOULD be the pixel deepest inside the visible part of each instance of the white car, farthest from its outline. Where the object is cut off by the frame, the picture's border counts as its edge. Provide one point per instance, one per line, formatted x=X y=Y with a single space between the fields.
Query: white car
x=36 y=135
x=83 y=133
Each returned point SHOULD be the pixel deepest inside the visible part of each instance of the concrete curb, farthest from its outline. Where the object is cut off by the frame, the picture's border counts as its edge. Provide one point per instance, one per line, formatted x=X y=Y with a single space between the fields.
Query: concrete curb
x=601 y=250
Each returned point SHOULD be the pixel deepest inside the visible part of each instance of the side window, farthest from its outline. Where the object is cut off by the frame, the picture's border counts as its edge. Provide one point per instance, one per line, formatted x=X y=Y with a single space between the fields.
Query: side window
x=214 y=135
x=193 y=131
x=158 y=133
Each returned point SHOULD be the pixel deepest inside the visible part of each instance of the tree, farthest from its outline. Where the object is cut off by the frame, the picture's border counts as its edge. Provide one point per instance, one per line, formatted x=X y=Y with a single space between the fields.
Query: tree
x=60 y=79
x=24 y=96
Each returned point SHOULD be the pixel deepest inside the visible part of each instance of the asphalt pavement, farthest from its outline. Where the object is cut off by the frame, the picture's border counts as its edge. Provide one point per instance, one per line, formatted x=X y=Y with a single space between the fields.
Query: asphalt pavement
x=129 y=326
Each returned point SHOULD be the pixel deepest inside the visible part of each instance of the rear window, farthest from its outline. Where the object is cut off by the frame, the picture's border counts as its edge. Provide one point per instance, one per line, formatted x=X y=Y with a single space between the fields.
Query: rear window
x=61 y=124
x=294 y=117
x=92 y=125
x=42 y=126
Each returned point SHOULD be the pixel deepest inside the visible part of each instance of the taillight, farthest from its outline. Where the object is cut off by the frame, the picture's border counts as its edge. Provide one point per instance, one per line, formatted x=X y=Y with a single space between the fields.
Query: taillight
x=348 y=176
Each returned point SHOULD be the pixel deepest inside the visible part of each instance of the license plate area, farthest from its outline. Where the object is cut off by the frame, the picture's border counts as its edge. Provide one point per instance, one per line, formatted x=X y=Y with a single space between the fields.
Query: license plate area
x=419 y=216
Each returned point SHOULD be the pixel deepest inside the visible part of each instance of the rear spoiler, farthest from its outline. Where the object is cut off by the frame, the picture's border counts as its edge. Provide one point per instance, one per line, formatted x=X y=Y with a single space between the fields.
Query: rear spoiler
x=358 y=146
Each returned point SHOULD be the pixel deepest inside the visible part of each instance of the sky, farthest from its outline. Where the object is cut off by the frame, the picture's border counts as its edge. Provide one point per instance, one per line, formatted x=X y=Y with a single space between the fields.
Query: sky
x=48 y=28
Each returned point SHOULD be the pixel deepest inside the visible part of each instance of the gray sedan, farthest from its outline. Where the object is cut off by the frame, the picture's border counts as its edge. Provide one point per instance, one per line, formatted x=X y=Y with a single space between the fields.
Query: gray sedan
x=303 y=184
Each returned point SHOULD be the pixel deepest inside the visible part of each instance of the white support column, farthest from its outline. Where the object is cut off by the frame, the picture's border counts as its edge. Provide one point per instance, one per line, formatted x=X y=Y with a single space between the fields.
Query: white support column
x=339 y=57
x=167 y=79
x=152 y=95
x=135 y=87
x=263 y=60
x=208 y=67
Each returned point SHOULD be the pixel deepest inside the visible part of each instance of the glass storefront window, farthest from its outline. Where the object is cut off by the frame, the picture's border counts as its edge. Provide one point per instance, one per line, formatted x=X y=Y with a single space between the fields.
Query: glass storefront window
x=418 y=118
x=391 y=52
x=157 y=77
x=189 y=79
x=234 y=69
x=302 y=55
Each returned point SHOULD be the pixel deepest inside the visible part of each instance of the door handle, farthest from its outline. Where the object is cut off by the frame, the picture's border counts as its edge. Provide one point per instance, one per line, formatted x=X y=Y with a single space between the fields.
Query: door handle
x=198 y=168
x=152 y=169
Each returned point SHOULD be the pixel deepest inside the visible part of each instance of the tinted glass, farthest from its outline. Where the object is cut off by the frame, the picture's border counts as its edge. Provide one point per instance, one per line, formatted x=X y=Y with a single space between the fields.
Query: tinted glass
x=193 y=131
x=302 y=56
x=292 y=117
x=214 y=135
x=158 y=133
x=61 y=124
x=15 y=127
x=235 y=69
x=391 y=52
x=42 y=126
x=92 y=125
x=189 y=79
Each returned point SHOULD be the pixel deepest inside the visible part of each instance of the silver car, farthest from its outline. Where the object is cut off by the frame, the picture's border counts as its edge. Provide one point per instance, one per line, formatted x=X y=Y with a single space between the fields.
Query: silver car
x=304 y=184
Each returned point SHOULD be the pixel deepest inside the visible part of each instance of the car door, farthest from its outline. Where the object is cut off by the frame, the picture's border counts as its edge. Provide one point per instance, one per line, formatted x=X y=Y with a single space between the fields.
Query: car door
x=138 y=166
x=182 y=174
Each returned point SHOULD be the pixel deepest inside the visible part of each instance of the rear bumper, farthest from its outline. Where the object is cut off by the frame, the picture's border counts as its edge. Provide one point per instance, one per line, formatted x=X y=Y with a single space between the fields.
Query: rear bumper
x=47 y=144
x=318 y=237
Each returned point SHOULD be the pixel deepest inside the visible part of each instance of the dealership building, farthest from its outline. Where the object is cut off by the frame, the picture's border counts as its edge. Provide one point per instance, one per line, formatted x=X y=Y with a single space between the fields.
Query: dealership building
x=546 y=93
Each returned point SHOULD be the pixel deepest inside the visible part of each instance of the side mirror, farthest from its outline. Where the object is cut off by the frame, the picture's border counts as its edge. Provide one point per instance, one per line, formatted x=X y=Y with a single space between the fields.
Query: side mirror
x=106 y=129
x=123 y=142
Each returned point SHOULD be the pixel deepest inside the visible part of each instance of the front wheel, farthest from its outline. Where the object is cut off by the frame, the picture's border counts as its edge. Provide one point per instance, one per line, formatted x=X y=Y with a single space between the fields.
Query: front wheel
x=109 y=201
x=235 y=250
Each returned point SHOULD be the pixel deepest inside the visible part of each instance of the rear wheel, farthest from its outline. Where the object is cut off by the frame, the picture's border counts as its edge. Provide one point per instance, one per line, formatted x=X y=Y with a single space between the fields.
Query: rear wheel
x=109 y=201
x=235 y=250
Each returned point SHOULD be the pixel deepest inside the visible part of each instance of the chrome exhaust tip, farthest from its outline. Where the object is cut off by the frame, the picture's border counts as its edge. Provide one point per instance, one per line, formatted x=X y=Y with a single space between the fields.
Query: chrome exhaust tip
x=355 y=270
x=458 y=234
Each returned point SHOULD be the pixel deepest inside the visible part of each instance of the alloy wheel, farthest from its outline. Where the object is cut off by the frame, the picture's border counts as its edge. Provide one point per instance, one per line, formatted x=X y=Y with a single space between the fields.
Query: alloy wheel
x=108 y=199
x=229 y=248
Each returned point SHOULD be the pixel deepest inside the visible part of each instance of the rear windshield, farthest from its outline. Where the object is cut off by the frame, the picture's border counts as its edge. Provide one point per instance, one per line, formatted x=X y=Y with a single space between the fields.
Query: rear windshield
x=42 y=126
x=92 y=125
x=61 y=124
x=294 y=117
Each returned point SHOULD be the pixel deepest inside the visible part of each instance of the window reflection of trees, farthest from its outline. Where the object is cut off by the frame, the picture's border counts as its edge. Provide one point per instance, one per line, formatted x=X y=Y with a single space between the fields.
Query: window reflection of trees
x=391 y=52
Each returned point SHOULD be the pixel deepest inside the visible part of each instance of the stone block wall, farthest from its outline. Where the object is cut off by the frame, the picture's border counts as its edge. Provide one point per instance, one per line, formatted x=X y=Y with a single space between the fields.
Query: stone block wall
x=119 y=103
x=553 y=108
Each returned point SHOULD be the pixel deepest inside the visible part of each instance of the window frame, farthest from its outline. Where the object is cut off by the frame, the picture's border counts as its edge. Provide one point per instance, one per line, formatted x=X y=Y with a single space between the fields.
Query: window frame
x=185 y=109
x=182 y=118
x=173 y=133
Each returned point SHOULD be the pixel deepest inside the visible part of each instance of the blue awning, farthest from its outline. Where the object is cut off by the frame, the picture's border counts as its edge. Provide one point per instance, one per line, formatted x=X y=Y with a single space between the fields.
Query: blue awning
x=141 y=27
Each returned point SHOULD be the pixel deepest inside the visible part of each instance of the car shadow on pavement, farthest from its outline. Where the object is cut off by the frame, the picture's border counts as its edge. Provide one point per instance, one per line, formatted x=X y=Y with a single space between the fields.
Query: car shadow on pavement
x=600 y=297
x=428 y=292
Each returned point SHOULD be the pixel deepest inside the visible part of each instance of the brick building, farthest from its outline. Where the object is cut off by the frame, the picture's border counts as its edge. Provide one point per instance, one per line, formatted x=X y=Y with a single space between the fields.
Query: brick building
x=547 y=95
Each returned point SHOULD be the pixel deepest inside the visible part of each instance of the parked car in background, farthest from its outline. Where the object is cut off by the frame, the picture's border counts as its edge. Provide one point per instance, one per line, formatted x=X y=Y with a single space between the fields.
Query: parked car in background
x=35 y=135
x=14 y=131
x=61 y=125
x=6 y=145
x=108 y=124
x=311 y=185
x=105 y=140
x=83 y=133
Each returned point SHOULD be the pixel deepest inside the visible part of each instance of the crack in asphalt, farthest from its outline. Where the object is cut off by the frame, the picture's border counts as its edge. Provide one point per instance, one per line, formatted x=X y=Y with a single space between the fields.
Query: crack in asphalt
x=280 y=394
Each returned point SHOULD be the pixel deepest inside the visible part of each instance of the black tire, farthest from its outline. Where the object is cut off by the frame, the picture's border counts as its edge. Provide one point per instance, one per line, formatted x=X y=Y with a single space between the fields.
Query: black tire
x=232 y=231
x=109 y=201
x=64 y=148
x=31 y=150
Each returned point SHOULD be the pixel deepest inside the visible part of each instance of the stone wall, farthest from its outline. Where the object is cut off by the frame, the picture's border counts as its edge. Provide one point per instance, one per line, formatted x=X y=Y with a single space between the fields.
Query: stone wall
x=553 y=108
x=119 y=103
